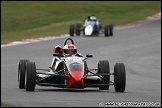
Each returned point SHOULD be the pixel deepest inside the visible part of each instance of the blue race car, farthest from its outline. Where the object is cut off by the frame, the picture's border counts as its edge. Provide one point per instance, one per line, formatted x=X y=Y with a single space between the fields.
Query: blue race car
x=91 y=27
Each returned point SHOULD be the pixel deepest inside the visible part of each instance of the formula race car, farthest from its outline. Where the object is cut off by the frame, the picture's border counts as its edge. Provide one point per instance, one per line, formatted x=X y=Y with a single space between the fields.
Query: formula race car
x=71 y=72
x=91 y=27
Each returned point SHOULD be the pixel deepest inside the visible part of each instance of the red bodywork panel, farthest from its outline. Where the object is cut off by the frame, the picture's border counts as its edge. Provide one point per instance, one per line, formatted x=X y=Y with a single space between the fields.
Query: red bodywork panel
x=75 y=79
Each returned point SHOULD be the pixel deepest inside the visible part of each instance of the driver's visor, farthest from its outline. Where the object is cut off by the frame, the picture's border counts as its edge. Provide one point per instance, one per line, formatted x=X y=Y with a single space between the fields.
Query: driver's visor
x=70 y=51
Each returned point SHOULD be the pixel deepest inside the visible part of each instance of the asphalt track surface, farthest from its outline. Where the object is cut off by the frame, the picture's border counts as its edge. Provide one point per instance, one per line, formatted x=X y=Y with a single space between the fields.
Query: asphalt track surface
x=139 y=48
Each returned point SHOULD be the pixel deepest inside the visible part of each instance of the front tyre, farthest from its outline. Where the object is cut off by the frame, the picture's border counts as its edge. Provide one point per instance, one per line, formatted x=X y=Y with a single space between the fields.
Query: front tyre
x=21 y=73
x=78 y=28
x=30 y=76
x=103 y=67
x=119 y=77
x=71 y=31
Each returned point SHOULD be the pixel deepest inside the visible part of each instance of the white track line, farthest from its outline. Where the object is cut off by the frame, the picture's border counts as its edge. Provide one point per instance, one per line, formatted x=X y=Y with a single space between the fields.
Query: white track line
x=32 y=40
x=137 y=23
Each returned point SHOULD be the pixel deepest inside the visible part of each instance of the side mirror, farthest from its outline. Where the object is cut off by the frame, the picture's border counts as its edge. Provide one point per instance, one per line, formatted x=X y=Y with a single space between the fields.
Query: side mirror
x=89 y=56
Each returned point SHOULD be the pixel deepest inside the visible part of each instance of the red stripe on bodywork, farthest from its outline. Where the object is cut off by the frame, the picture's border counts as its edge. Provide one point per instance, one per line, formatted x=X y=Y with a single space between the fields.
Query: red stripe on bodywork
x=75 y=79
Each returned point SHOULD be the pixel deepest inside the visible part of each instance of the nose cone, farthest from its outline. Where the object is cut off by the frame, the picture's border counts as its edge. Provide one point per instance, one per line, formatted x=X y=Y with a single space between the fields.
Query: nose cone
x=88 y=30
x=75 y=79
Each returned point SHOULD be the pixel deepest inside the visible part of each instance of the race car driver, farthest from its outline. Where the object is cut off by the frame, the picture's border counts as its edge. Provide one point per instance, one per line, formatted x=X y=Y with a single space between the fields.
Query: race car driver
x=70 y=49
x=93 y=18
x=67 y=50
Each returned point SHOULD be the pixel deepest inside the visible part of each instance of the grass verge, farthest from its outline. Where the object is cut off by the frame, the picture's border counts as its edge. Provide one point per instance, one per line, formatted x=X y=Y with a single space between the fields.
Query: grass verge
x=6 y=105
x=32 y=19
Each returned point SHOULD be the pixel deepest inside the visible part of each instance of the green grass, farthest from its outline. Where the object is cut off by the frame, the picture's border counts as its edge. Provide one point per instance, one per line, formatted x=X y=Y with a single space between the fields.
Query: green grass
x=6 y=105
x=32 y=19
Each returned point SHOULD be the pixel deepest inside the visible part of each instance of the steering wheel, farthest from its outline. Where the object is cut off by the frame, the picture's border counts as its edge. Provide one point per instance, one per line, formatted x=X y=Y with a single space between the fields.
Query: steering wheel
x=67 y=40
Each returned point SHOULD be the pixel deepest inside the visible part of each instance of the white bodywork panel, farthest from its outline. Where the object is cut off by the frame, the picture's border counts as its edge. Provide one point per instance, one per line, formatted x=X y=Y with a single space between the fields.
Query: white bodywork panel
x=67 y=61
x=88 y=30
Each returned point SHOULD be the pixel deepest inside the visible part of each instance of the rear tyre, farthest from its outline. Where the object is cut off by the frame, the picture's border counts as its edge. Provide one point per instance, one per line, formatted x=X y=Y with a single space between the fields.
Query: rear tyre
x=78 y=27
x=21 y=73
x=30 y=76
x=71 y=31
x=110 y=26
x=103 y=67
x=119 y=77
x=106 y=30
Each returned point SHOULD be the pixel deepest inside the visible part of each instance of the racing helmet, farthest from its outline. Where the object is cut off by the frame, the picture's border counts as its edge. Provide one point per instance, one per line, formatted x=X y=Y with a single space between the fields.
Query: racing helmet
x=70 y=49
x=93 y=18
x=58 y=49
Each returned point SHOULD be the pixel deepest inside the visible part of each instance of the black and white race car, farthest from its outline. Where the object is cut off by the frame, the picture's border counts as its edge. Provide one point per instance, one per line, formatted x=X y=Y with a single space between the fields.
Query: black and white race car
x=71 y=72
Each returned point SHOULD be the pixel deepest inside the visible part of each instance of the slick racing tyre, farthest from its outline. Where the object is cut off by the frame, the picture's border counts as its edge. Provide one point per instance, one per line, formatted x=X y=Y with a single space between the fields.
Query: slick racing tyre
x=119 y=77
x=78 y=27
x=71 y=31
x=21 y=73
x=108 y=30
x=30 y=76
x=103 y=67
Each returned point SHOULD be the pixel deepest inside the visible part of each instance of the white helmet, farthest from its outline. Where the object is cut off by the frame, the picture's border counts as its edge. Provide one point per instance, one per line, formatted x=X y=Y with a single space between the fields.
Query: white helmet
x=70 y=49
